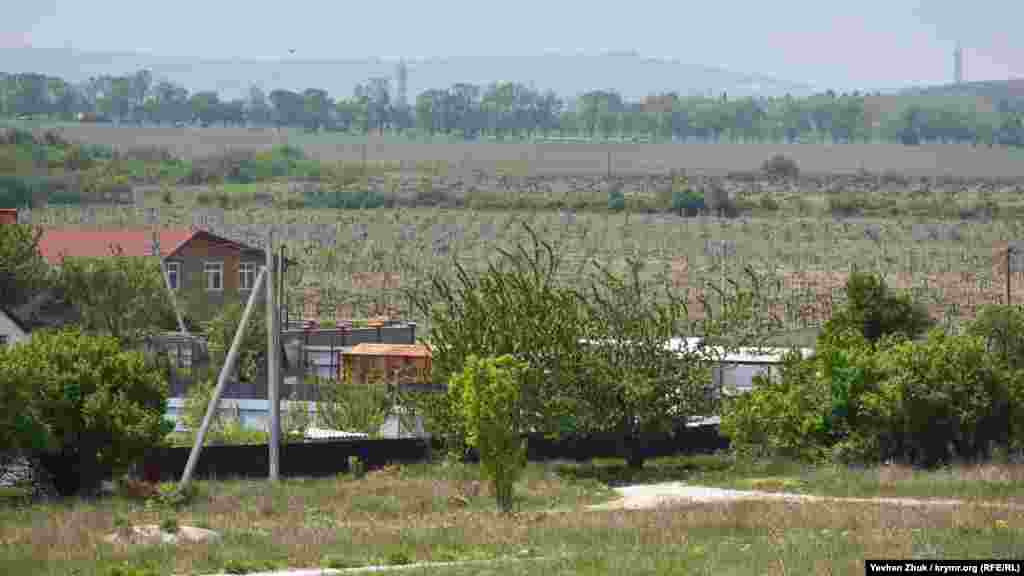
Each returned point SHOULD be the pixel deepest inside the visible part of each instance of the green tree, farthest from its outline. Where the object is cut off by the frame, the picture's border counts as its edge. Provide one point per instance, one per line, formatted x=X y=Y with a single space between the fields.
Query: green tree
x=121 y=296
x=23 y=272
x=84 y=399
x=1002 y=327
x=486 y=399
x=627 y=391
x=876 y=311
x=220 y=332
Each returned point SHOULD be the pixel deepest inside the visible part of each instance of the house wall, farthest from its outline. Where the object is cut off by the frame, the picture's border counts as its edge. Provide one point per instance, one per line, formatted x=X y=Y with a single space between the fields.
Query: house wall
x=8 y=328
x=195 y=254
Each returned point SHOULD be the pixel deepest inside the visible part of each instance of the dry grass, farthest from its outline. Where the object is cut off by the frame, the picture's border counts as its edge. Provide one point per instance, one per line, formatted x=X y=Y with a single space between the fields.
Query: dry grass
x=430 y=513
x=927 y=160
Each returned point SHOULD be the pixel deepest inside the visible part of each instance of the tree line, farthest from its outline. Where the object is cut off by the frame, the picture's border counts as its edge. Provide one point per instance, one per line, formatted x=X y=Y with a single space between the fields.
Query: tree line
x=511 y=110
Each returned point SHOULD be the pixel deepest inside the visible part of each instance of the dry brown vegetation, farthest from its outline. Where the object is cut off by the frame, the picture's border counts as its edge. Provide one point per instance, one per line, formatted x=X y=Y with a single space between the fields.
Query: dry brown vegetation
x=432 y=513
x=927 y=160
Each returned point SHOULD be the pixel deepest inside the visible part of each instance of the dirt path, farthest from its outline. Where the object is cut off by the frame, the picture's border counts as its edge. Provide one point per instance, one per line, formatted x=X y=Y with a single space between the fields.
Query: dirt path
x=649 y=496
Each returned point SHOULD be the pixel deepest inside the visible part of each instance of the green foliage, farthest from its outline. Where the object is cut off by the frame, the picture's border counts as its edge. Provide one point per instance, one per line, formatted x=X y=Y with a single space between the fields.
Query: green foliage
x=616 y=200
x=932 y=397
x=921 y=402
x=515 y=307
x=18 y=191
x=224 y=429
x=356 y=467
x=122 y=296
x=170 y=497
x=486 y=397
x=875 y=311
x=220 y=332
x=1002 y=327
x=23 y=271
x=782 y=416
x=353 y=408
x=519 y=307
x=84 y=397
x=687 y=202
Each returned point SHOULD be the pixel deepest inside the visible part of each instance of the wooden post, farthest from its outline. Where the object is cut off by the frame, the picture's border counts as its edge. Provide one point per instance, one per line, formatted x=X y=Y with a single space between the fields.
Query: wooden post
x=222 y=380
x=273 y=374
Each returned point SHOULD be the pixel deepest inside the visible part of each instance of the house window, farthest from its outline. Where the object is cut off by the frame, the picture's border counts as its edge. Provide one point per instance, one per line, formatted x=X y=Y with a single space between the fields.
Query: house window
x=3 y=340
x=173 y=274
x=246 y=275
x=214 y=275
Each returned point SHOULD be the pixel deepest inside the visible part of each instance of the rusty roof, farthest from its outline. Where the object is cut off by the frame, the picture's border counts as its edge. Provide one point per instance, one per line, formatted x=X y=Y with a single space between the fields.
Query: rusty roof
x=404 y=350
x=57 y=243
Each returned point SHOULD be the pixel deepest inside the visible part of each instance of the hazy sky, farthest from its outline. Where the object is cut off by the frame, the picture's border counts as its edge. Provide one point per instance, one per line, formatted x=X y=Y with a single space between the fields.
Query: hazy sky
x=867 y=44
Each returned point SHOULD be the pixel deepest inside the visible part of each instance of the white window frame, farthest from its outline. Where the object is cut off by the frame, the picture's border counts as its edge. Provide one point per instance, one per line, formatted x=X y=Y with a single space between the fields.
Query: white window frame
x=173 y=272
x=246 y=271
x=209 y=268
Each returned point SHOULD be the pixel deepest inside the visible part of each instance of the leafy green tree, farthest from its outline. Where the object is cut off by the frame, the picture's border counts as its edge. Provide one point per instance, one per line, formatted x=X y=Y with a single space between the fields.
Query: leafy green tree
x=516 y=307
x=1002 y=327
x=23 y=272
x=486 y=399
x=220 y=332
x=83 y=400
x=627 y=392
x=876 y=311
x=121 y=296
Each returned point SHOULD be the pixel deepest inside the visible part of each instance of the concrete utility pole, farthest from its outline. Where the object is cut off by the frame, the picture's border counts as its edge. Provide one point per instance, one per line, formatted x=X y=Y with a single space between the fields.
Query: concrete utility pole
x=222 y=380
x=273 y=374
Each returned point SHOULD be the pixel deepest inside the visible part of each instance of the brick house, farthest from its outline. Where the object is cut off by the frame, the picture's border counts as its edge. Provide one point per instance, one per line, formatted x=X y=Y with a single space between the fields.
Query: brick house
x=197 y=262
x=8 y=216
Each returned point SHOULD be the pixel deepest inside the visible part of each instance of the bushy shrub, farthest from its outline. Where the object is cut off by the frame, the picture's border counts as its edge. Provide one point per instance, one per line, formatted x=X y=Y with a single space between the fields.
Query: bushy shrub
x=17 y=191
x=781 y=166
x=616 y=200
x=873 y=309
x=486 y=401
x=87 y=406
x=1002 y=328
x=938 y=399
x=345 y=199
x=781 y=416
x=687 y=202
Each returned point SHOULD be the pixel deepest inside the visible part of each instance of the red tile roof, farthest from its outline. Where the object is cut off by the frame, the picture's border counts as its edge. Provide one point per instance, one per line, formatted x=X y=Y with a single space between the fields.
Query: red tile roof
x=56 y=243
x=8 y=215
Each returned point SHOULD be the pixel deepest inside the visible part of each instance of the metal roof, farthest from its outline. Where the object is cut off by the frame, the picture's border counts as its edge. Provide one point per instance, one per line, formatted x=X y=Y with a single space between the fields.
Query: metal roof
x=743 y=355
x=374 y=349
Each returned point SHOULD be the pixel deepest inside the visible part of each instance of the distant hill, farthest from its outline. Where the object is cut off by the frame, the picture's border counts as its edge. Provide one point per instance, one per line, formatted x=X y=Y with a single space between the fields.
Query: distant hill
x=632 y=75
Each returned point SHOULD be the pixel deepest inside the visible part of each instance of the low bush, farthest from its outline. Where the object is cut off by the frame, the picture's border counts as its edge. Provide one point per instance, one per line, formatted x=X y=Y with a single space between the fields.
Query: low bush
x=18 y=191
x=85 y=405
x=781 y=166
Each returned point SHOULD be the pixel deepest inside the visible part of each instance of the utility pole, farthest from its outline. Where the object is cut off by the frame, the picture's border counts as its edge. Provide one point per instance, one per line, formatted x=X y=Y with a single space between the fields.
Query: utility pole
x=1009 y=254
x=273 y=374
x=222 y=380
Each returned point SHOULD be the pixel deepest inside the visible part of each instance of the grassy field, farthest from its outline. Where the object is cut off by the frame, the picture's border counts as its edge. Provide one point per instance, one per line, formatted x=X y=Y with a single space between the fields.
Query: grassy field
x=575 y=158
x=433 y=513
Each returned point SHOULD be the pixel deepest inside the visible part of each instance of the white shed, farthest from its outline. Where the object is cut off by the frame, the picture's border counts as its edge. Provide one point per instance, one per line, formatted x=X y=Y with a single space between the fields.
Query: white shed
x=12 y=331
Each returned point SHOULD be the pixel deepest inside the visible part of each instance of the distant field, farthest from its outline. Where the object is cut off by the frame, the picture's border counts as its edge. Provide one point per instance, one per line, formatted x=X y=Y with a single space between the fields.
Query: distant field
x=576 y=158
